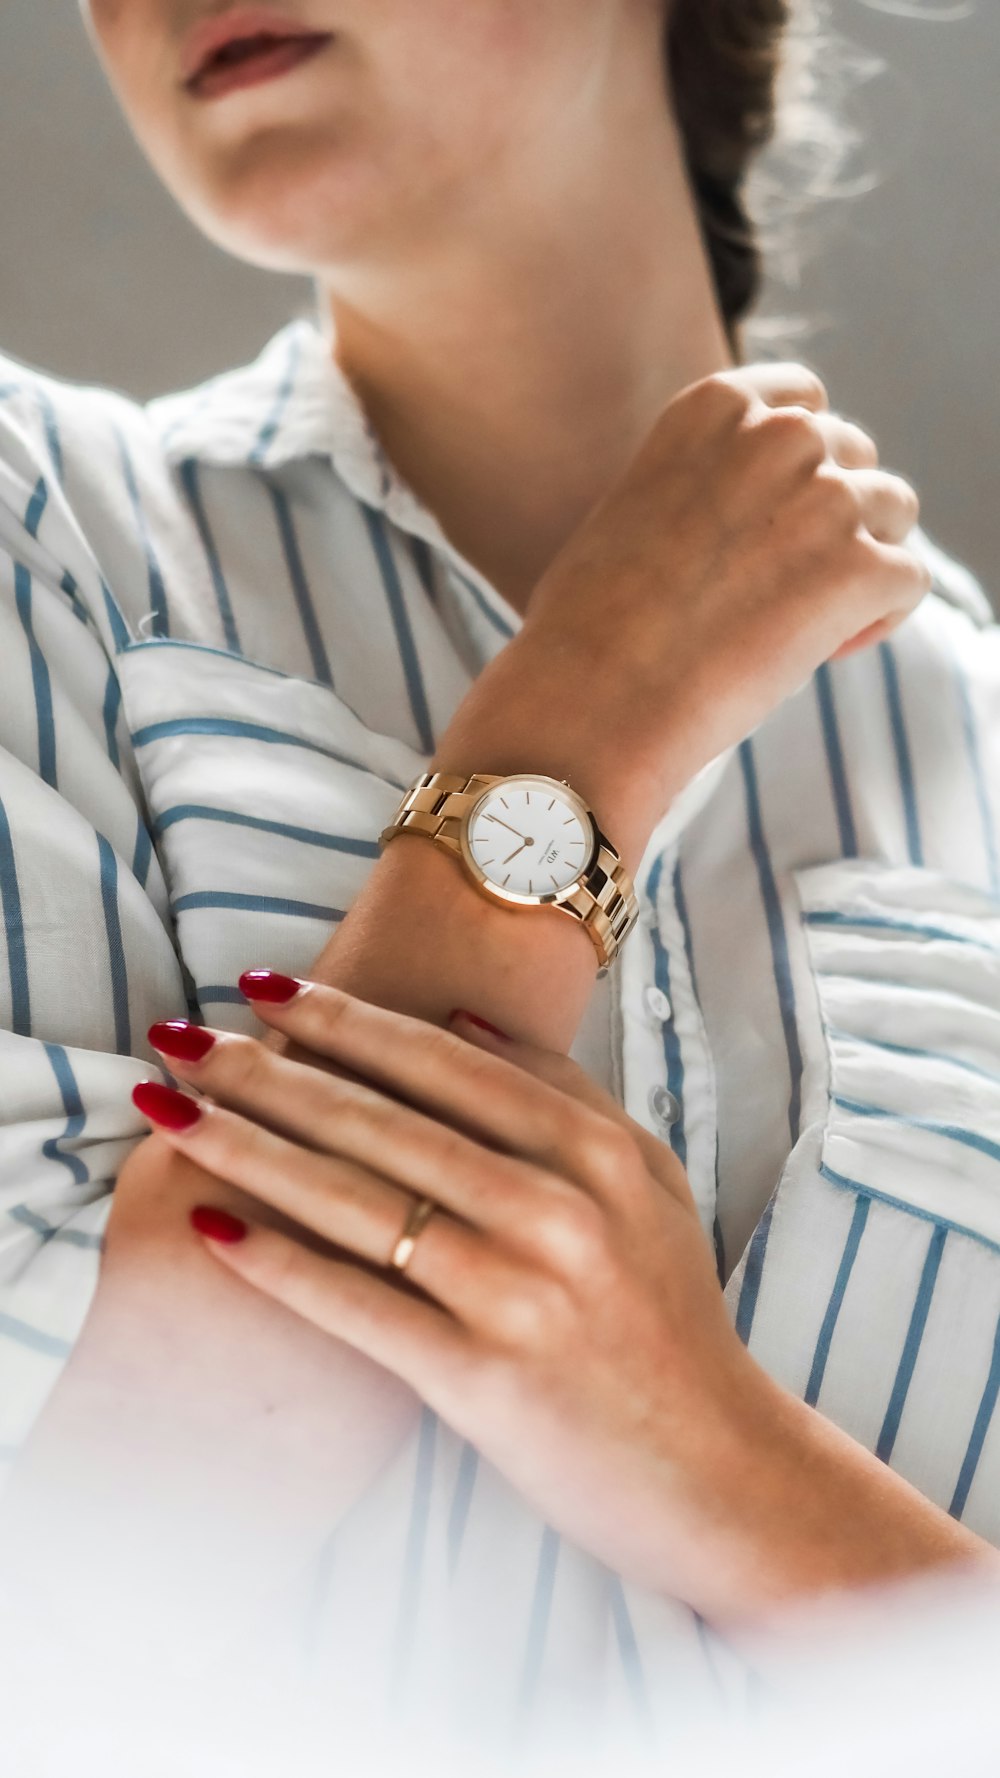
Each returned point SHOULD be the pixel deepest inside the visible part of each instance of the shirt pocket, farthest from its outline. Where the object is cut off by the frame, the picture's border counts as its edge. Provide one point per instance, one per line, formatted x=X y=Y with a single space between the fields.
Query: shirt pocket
x=872 y=1284
x=266 y=794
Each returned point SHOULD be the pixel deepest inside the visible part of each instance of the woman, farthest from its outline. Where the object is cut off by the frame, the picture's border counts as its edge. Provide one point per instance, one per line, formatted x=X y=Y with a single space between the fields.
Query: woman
x=241 y=622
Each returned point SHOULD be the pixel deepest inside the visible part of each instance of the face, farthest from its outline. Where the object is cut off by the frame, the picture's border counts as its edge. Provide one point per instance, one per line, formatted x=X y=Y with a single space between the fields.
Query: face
x=411 y=119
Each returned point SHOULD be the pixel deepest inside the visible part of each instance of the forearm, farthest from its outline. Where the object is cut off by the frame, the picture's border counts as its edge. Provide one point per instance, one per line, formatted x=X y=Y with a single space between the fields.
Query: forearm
x=809 y=1511
x=160 y=1402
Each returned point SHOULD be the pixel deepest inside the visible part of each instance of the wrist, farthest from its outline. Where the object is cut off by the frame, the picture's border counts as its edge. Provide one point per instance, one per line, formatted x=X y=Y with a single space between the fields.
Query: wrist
x=535 y=707
x=801 y=1510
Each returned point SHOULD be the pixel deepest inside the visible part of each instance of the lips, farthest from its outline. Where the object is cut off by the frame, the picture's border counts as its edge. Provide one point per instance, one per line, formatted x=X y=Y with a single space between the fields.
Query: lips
x=245 y=44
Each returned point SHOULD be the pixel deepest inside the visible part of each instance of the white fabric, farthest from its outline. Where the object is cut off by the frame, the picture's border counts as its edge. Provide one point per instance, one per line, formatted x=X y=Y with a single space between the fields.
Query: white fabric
x=230 y=636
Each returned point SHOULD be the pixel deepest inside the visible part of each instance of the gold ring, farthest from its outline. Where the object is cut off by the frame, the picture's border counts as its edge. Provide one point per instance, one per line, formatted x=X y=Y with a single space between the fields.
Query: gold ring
x=417 y=1220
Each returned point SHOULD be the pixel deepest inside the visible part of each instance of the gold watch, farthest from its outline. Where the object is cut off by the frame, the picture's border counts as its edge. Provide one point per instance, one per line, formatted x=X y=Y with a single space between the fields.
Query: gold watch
x=526 y=840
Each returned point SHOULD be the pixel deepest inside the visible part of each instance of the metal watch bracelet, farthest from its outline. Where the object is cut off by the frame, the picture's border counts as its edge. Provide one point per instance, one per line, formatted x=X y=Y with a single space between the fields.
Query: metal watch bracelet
x=605 y=903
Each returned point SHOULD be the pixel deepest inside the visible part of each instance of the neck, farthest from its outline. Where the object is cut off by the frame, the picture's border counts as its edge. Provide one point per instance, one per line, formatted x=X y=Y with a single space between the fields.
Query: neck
x=513 y=374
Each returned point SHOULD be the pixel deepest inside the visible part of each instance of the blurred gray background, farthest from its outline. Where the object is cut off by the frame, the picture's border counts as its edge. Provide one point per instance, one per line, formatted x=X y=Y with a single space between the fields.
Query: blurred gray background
x=102 y=279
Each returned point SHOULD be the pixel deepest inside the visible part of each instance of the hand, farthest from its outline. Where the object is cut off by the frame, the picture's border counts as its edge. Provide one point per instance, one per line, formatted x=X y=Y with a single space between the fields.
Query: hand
x=752 y=538
x=560 y=1309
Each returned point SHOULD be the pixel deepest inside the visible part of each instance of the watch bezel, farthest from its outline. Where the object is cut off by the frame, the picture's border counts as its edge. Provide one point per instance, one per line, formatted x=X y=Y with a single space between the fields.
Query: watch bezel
x=514 y=897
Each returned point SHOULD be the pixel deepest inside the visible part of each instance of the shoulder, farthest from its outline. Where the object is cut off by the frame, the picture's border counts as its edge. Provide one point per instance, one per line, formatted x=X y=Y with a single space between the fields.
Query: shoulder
x=93 y=481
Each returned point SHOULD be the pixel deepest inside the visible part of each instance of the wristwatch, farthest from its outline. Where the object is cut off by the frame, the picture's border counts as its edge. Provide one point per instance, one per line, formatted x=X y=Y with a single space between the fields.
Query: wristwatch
x=526 y=840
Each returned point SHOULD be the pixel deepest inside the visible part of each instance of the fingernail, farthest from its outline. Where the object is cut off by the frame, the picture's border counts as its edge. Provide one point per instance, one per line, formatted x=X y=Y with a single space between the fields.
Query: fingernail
x=181 y=1040
x=165 y=1105
x=459 y=1012
x=269 y=985
x=218 y=1225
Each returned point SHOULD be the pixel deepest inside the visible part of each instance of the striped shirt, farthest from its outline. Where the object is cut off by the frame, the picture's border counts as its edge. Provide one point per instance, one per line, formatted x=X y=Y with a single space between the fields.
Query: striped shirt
x=231 y=637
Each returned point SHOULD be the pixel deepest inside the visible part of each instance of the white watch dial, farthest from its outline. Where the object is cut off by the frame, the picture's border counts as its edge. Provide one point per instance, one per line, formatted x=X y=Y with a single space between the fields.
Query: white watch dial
x=528 y=838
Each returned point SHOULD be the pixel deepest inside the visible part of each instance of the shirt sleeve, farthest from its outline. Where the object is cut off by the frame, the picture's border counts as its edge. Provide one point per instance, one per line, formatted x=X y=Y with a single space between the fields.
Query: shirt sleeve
x=87 y=958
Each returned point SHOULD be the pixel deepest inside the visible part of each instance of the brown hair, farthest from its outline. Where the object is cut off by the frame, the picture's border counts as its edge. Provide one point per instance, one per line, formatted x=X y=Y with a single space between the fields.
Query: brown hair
x=745 y=75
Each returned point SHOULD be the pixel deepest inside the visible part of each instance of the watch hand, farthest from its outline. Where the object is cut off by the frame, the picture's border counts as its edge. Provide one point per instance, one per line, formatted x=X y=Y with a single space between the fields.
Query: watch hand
x=516 y=850
x=506 y=824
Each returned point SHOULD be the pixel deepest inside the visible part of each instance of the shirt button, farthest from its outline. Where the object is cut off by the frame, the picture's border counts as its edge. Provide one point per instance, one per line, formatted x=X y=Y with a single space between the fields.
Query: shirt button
x=663 y=1106
x=657 y=1003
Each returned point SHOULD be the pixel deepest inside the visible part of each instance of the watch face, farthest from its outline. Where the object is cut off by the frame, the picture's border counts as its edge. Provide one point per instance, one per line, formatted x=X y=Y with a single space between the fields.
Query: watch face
x=530 y=837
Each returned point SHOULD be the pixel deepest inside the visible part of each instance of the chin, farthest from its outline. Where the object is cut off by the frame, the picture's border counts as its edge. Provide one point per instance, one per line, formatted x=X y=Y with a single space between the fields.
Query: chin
x=285 y=205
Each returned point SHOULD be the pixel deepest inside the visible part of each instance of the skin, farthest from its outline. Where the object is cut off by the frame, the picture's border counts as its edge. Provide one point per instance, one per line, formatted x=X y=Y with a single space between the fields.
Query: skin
x=492 y=202
x=559 y=1309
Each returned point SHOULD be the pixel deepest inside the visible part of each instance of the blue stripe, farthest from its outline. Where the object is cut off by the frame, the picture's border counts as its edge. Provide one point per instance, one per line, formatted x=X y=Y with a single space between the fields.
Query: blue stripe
x=72 y=591
x=879 y=1197
x=40 y=678
x=413 y=1560
x=977 y=1439
x=36 y=508
x=494 y=617
x=782 y=970
x=904 y=763
x=753 y=1272
x=256 y=904
x=673 y=1059
x=680 y=901
x=538 y=1624
x=781 y=962
x=250 y=731
x=143 y=854
x=835 y=761
x=116 y=949
x=157 y=588
x=268 y=431
x=401 y=623
x=300 y=586
x=75 y=1115
x=334 y=842
x=112 y=706
x=424 y=563
x=833 y=1309
x=461 y=1503
x=33 y=1337
x=953 y=1132
x=220 y=994
x=911 y=1347
x=188 y=474
x=881 y=923
x=628 y=1650
x=49 y=1231
x=13 y=921
x=905 y=1049
x=119 y=628
x=971 y=735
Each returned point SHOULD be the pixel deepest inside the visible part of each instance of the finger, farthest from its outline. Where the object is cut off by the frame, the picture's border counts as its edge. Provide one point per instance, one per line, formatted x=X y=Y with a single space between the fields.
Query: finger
x=890 y=507
x=848 y=444
x=485 y=1094
x=354 y=1121
x=566 y=1076
x=410 y=1337
x=340 y=1202
x=784 y=384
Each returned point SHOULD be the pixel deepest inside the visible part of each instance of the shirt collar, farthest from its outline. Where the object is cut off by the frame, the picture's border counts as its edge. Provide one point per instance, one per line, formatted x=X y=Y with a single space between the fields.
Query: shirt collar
x=292 y=401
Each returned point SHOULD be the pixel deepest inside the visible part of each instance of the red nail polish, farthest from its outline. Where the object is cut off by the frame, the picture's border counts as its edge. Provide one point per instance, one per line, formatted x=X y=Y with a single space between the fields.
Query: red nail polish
x=165 y=1105
x=181 y=1040
x=218 y=1225
x=269 y=985
x=460 y=1012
